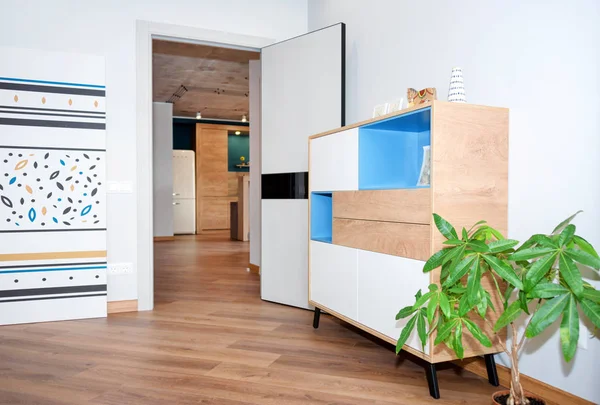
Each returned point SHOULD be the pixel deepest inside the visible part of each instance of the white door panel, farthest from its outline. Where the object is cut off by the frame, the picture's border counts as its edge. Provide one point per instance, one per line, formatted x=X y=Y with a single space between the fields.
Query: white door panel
x=184 y=216
x=284 y=276
x=302 y=93
x=184 y=174
x=387 y=284
x=334 y=162
x=333 y=277
x=302 y=85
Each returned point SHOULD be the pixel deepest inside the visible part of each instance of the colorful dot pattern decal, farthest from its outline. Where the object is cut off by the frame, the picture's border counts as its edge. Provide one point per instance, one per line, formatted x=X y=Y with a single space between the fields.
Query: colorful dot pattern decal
x=51 y=189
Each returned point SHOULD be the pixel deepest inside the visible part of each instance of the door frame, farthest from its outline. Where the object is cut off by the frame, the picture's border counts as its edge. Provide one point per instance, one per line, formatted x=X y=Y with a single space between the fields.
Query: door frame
x=145 y=32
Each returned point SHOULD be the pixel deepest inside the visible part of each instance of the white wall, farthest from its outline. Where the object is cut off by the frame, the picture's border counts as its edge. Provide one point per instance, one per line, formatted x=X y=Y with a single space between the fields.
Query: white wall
x=540 y=59
x=255 y=161
x=108 y=28
x=162 y=168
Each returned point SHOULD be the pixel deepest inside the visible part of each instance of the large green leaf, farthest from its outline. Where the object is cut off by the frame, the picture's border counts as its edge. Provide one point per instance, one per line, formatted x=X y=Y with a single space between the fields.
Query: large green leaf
x=458 y=346
x=569 y=329
x=436 y=260
x=444 y=330
x=510 y=314
x=422 y=299
x=504 y=270
x=531 y=253
x=405 y=334
x=547 y=290
x=477 y=332
x=482 y=306
x=591 y=294
x=444 y=304
x=478 y=246
x=405 y=312
x=464 y=306
x=422 y=330
x=585 y=245
x=474 y=282
x=546 y=315
x=570 y=274
x=538 y=270
x=566 y=235
x=591 y=311
x=476 y=224
x=564 y=223
x=507 y=294
x=432 y=307
x=459 y=270
x=444 y=227
x=503 y=245
x=523 y=301
x=584 y=258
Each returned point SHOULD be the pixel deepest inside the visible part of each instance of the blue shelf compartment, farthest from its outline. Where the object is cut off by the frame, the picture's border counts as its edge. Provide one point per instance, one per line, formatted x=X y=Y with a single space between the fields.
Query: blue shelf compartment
x=321 y=216
x=390 y=151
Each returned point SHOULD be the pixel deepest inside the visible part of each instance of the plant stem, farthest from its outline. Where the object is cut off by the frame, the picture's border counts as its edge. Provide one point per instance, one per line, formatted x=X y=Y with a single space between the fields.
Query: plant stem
x=516 y=389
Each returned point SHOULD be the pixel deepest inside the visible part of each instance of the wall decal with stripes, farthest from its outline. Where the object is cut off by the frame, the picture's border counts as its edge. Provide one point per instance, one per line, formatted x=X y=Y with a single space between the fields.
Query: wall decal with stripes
x=52 y=186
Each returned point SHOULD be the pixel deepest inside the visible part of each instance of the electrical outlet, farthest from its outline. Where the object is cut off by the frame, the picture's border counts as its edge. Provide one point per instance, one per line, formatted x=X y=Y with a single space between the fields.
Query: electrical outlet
x=120 y=268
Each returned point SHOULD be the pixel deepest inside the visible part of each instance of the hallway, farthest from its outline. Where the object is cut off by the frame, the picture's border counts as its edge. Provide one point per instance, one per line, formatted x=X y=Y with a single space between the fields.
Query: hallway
x=211 y=340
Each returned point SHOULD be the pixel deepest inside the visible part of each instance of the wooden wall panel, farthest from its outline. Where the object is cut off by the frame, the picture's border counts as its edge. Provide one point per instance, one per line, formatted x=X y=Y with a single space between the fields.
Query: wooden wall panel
x=469 y=146
x=412 y=205
x=213 y=162
x=392 y=238
x=215 y=212
x=216 y=187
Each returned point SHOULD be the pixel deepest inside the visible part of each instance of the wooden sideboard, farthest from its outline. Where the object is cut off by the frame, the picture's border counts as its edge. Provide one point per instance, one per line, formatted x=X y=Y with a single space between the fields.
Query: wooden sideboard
x=371 y=227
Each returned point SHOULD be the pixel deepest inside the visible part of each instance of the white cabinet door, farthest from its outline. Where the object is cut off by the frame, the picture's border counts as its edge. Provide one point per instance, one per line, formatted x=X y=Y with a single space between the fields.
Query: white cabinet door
x=334 y=162
x=184 y=216
x=385 y=285
x=333 y=277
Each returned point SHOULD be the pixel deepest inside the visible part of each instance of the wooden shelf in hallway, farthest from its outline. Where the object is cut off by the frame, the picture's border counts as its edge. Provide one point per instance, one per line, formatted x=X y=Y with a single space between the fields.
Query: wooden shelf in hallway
x=211 y=340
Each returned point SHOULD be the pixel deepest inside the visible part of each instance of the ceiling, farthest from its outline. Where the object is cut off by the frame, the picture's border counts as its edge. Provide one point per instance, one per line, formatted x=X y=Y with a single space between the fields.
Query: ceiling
x=216 y=79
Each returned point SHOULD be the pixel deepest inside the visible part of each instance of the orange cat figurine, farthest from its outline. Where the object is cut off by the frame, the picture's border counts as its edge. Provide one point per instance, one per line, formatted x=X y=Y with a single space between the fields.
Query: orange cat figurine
x=421 y=97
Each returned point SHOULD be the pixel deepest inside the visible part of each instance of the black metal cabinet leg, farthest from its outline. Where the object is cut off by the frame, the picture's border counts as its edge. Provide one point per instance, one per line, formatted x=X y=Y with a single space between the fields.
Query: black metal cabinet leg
x=317 y=318
x=490 y=364
x=434 y=389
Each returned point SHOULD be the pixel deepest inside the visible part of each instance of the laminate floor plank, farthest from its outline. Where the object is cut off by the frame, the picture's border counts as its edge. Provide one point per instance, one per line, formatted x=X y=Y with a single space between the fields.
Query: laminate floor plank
x=211 y=340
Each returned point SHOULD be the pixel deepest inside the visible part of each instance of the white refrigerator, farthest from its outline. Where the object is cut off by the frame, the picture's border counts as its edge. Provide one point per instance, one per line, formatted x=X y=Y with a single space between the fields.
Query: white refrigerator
x=184 y=192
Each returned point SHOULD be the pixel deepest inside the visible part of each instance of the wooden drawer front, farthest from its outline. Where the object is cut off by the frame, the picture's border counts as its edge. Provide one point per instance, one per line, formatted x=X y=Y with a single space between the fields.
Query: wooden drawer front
x=407 y=205
x=334 y=161
x=387 y=284
x=333 y=277
x=393 y=238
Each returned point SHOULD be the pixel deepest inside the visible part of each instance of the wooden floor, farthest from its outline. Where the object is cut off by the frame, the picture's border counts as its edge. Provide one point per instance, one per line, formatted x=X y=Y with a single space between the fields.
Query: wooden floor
x=211 y=340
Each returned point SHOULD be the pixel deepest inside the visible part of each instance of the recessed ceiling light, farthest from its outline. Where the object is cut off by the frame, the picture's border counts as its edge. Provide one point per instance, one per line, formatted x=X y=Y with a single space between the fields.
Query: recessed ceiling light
x=237 y=132
x=198 y=115
x=244 y=119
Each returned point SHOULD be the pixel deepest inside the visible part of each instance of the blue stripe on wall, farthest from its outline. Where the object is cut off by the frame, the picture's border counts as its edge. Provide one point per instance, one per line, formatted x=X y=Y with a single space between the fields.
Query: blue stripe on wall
x=55 y=269
x=13 y=79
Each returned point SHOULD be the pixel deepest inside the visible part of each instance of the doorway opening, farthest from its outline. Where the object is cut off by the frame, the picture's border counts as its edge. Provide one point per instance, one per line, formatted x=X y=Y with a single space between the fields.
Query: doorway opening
x=201 y=167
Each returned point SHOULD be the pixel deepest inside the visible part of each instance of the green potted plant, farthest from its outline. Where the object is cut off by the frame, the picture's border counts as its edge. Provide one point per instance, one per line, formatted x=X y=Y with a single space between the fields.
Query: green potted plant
x=540 y=281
